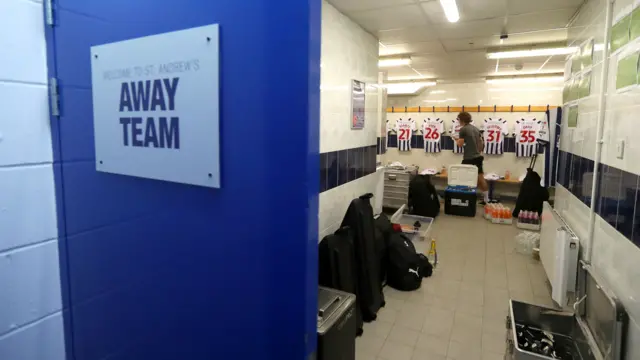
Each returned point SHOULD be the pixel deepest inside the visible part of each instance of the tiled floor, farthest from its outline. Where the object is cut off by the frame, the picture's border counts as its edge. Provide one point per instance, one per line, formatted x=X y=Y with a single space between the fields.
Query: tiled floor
x=459 y=313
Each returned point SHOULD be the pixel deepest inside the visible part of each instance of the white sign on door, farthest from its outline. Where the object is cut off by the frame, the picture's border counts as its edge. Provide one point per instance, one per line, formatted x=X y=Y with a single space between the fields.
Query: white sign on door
x=156 y=106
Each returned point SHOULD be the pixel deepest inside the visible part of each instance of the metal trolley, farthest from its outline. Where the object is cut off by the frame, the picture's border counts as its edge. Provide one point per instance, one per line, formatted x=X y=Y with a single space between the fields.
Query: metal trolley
x=594 y=332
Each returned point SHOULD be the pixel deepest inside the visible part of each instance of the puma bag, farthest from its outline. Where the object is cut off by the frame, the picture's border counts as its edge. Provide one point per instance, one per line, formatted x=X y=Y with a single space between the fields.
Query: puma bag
x=403 y=270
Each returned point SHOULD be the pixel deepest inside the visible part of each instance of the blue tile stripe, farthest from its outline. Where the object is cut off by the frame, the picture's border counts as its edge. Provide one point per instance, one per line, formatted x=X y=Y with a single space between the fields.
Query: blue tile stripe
x=417 y=142
x=342 y=166
x=617 y=194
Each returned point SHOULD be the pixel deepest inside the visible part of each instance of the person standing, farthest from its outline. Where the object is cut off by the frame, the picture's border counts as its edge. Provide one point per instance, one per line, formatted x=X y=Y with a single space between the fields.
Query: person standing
x=470 y=140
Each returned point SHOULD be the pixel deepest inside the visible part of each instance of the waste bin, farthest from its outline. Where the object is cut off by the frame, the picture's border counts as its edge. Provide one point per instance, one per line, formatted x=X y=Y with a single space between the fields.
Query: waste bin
x=336 y=325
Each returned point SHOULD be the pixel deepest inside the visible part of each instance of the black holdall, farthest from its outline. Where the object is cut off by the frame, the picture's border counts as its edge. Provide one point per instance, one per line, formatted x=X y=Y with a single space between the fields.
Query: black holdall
x=423 y=199
x=384 y=229
x=403 y=272
x=426 y=269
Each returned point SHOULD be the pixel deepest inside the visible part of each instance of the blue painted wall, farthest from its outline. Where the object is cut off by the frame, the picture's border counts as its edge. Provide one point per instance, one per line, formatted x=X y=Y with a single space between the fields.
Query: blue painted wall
x=31 y=321
x=156 y=270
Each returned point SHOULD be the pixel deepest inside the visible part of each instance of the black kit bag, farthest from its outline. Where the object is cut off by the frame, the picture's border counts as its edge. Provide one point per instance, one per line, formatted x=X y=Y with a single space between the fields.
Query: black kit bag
x=383 y=229
x=403 y=272
x=359 y=218
x=423 y=198
x=426 y=269
x=336 y=266
x=532 y=195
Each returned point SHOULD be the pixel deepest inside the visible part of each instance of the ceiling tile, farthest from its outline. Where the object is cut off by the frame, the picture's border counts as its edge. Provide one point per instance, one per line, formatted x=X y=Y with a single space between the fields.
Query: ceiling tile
x=360 y=5
x=469 y=10
x=533 y=37
x=527 y=68
x=407 y=35
x=529 y=6
x=403 y=71
x=553 y=19
x=428 y=47
x=390 y=18
x=467 y=44
x=467 y=29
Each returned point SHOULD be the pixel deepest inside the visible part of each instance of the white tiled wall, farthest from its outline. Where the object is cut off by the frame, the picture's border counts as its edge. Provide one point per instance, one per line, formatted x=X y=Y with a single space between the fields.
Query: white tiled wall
x=475 y=94
x=31 y=325
x=615 y=257
x=334 y=202
x=348 y=52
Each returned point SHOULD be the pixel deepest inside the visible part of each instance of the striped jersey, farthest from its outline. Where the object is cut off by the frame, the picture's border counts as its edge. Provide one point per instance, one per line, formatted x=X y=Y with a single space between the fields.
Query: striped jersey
x=526 y=136
x=404 y=130
x=455 y=133
x=543 y=130
x=432 y=130
x=494 y=131
x=387 y=130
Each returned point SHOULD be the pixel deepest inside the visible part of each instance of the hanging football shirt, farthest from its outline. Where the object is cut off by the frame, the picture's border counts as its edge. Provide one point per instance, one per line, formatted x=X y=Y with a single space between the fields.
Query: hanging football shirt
x=526 y=135
x=387 y=130
x=494 y=132
x=455 y=133
x=432 y=130
x=405 y=129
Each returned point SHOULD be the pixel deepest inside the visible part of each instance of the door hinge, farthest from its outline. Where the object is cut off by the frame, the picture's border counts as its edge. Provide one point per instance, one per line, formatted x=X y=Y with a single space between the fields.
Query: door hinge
x=48 y=12
x=54 y=96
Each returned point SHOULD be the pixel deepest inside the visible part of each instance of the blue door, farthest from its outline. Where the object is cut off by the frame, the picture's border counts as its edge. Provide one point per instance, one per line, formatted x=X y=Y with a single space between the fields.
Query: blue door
x=159 y=270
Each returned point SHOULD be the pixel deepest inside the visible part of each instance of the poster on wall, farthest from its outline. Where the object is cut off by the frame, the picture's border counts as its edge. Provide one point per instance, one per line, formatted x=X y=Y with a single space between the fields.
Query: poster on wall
x=156 y=106
x=357 y=104
x=584 y=87
x=634 y=30
x=620 y=33
x=586 y=53
x=627 y=71
x=566 y=92
x=572 y=116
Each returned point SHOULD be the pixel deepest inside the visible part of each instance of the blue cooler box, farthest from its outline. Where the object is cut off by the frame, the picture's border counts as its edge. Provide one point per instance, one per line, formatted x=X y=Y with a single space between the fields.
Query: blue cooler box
x=460 y=200
x=460 y=195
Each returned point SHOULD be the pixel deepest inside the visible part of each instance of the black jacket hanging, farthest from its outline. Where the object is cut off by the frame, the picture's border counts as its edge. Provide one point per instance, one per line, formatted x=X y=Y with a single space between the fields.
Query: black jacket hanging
x=337 y=266
x=359 y=218
x=532 y=195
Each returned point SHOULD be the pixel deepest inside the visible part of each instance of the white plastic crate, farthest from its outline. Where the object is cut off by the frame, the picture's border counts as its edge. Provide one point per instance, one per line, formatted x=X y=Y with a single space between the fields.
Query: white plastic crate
x=406 y=221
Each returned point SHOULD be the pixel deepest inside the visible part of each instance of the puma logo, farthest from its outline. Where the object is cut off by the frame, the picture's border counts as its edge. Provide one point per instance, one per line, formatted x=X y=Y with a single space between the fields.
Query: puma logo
x=414 y=272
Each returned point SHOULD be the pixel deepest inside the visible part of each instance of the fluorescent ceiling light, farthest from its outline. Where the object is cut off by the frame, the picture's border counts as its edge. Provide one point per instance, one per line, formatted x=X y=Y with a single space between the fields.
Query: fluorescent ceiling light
x=531 y=53
x=520 y=80
x=437 y=92
x=408 y=88
x=390 y=62
x=450 y=10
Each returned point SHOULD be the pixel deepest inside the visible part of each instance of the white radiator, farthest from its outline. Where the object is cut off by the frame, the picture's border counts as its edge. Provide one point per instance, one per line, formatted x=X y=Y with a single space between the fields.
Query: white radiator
x=559 y=248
